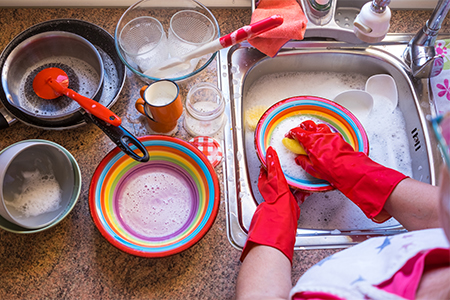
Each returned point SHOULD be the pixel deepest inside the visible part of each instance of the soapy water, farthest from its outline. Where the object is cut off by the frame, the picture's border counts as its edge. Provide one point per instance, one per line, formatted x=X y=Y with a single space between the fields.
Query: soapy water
x=39 y=194
x=179 y=70
x=286 y=157
x=386 y=132
x=111 y=80
x=155 y=204
x=160 y=97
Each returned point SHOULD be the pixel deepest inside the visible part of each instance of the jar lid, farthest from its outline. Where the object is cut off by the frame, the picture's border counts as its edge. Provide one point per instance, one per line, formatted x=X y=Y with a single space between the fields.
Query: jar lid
x=209 y=147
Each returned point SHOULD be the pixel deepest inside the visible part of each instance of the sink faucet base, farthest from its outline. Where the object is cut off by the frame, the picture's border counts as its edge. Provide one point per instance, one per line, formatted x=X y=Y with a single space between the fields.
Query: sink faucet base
x=421 y=54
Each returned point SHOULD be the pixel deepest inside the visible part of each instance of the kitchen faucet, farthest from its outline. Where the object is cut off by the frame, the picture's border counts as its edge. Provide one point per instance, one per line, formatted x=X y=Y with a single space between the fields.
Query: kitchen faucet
x=320 y=11
x=372 y=24
x=421 y=54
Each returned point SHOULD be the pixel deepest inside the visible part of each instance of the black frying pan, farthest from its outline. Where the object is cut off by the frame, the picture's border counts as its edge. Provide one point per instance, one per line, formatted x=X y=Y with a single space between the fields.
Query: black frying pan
x=104 y=42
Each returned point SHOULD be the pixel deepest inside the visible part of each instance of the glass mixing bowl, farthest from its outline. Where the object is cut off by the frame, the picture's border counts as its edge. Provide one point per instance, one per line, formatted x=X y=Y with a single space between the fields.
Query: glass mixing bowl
x=153 y=8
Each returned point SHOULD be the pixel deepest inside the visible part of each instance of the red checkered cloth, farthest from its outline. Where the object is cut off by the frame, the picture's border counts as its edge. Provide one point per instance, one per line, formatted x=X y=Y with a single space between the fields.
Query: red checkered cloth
x=209 y=147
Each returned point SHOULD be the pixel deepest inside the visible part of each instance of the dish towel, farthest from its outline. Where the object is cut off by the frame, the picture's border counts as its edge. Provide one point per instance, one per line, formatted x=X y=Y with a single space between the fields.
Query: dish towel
x=440 y=85
x=293 y=27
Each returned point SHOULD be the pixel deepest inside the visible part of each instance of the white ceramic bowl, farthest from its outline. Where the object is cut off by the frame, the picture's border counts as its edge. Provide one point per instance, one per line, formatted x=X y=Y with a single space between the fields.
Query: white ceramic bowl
x=40 y=183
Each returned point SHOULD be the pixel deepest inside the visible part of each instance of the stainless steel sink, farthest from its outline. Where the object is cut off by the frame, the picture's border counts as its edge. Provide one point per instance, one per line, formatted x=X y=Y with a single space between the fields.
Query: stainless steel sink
x=242 y=66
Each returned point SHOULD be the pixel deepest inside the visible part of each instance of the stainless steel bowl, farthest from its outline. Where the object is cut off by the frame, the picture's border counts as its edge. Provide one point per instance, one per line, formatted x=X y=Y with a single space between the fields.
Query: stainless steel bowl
x=68 y=51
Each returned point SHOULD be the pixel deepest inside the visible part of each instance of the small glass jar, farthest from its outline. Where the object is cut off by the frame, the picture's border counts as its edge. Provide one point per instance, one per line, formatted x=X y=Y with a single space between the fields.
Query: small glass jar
x=204 y=110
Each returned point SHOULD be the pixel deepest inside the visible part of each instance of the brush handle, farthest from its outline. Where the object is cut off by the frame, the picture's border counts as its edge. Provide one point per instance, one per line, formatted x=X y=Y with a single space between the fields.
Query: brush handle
x=248 y=31
x=236 y=36
x=228 y=40
x=91 y=106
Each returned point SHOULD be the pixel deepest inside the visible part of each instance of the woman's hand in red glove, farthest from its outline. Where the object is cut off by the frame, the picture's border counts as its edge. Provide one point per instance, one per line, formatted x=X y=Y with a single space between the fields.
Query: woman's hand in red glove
x=275 y=220
x=365 y=182
x=323 y=148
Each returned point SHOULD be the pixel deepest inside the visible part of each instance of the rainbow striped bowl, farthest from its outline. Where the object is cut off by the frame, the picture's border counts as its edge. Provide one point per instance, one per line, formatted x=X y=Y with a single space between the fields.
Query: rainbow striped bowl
x=338 y=118
x=157 y=208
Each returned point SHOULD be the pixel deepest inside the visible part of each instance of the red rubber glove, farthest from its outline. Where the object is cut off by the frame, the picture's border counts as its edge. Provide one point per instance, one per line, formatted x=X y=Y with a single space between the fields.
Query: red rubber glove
x=365 y=182
x=275 y=220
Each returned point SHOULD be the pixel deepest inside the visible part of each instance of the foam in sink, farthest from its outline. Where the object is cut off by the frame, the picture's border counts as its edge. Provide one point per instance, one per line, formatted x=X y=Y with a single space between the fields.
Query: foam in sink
x=387 y=134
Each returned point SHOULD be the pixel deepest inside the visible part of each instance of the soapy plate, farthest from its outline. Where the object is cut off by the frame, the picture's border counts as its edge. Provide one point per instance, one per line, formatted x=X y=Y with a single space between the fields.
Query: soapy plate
x=320 y=110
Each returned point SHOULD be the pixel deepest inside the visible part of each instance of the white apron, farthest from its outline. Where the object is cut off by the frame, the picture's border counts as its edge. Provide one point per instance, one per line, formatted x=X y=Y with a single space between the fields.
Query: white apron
x=352 y=273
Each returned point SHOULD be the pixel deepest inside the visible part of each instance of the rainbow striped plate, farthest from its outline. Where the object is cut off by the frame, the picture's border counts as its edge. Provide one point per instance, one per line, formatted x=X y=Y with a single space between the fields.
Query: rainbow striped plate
x=338 y=118
x=157 y=208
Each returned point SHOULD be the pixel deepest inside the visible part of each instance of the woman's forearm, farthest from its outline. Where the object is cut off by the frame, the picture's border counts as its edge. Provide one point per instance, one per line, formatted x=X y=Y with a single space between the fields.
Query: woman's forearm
x=264 y=274
x=414 y=204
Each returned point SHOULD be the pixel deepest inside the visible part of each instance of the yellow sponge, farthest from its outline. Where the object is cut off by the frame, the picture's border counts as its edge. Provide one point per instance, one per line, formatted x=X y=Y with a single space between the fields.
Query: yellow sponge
x=253 y=114
x=293 y=146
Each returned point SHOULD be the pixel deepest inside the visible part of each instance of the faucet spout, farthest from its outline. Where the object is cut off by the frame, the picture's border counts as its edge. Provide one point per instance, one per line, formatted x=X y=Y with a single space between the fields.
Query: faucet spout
x=421 y=54
x=372 y=23
x=437 y=17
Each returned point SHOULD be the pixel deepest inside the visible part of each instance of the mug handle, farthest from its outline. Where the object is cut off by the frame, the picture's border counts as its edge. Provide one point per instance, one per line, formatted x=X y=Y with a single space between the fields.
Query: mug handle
x=142 y=90
x=140 y=107
x=140 y=103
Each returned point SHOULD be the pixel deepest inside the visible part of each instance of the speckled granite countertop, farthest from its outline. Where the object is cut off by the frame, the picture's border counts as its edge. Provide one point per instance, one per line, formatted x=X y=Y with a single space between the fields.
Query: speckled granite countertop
x=72 y=260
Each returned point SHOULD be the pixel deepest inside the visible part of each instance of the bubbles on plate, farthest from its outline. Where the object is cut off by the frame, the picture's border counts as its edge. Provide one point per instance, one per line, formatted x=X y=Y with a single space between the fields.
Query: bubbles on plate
x=156 y=203
x=285 y=156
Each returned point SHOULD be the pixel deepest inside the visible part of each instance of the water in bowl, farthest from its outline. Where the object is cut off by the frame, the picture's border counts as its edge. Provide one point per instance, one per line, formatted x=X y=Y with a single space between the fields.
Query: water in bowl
x=33 y=188
x=156 y=201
